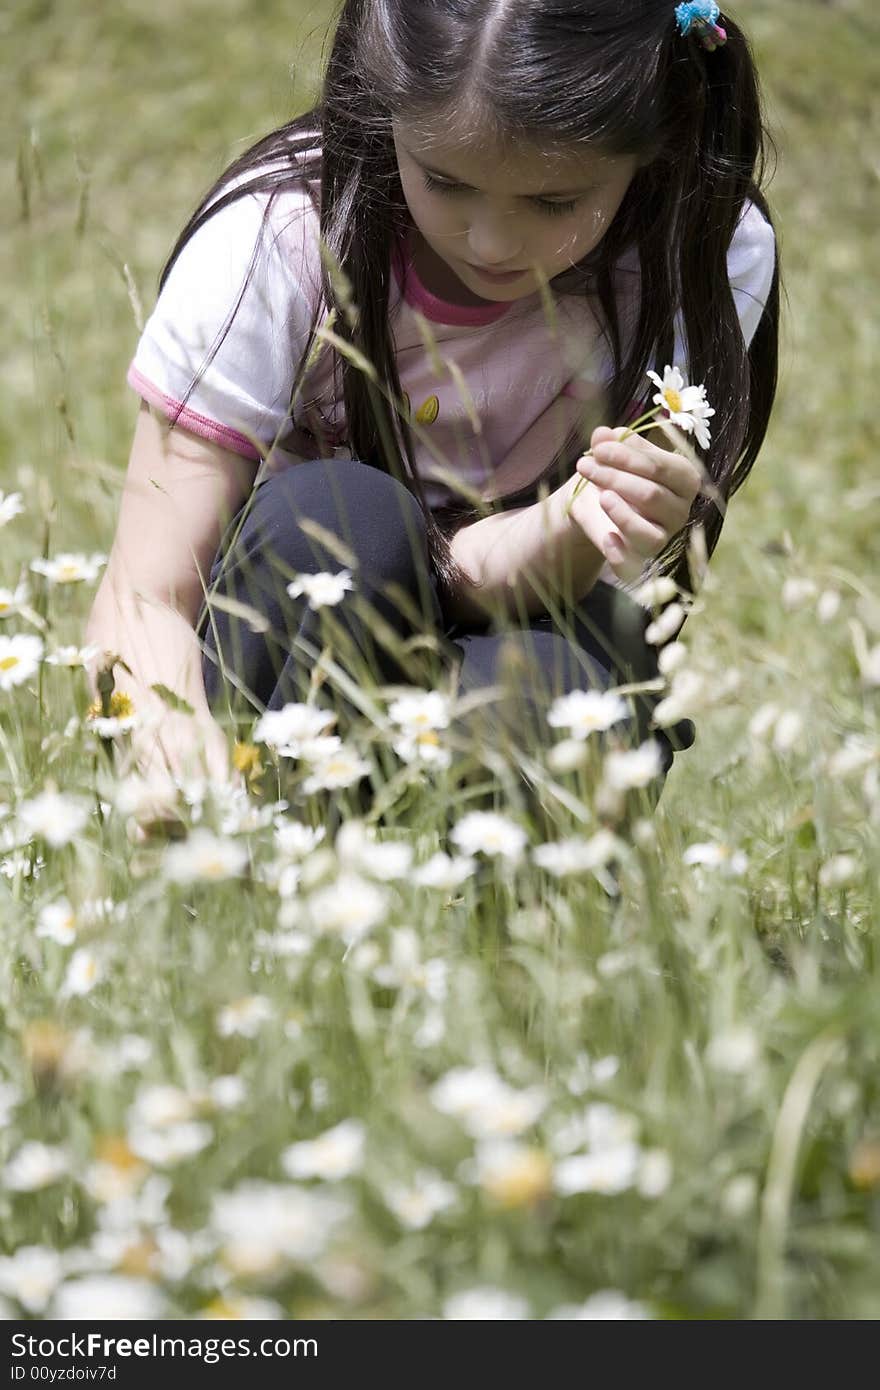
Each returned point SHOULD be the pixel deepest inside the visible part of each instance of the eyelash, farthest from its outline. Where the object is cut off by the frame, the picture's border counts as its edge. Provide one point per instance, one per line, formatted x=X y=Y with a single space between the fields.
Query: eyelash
x=551 y=209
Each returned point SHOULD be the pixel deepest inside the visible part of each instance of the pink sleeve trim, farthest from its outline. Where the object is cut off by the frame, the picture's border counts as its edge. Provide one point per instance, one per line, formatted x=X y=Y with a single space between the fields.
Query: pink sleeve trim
x=190 y=419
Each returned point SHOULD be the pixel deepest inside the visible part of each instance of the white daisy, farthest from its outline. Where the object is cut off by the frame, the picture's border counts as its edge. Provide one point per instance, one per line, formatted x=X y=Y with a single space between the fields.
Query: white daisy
x=422 y=709
x=838 y=870
x=608 y=1305
x=34 y=1166
x=205 y=858
x=610 y=1169
x=241 y=1307
x=796 y=591
x=341 y=766
x=686 y=406
x=101 y=1297
x=84 y=971
x=67 y=568
x=323 y=589
x=415 y=1204
x=655 y=1172
x=349 y=907
x=244 y=1017
x=828 y=605
x=54 y=816
x=486 y=1304
x=262 y=1225
x=487 y=832
x=57 y=922
x=296 y=840
x=227 y=1092
x=31 y=1275
x=568 y=754
x=20 y=656
x=288 y=726
x=484 y=1104
x=725 y=858
x=422 y=746
x=577 y=855
x=10 y=1097
x=10 y=505
x=160 y=1104
x=68 y=656
x=584 y=712
x=444 y=871
x=336 y=1154
x=407 y=970
x=388 y=860
x=633 y=767
x=735 y=1050
x=12 y=600
x=163 y=1148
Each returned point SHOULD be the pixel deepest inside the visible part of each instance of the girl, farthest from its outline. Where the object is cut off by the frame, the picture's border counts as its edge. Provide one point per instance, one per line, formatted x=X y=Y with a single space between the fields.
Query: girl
x=399 y=321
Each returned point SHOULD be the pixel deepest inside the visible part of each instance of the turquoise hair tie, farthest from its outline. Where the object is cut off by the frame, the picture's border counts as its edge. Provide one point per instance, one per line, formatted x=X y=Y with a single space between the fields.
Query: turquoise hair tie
x=699 y=17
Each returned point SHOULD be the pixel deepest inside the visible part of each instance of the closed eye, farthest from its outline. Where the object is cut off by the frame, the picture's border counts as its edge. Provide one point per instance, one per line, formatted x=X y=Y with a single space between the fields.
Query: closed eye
x=554 y=208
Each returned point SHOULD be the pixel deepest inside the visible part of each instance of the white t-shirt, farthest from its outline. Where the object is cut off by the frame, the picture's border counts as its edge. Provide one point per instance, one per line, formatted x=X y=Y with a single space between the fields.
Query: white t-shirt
x=494 y=389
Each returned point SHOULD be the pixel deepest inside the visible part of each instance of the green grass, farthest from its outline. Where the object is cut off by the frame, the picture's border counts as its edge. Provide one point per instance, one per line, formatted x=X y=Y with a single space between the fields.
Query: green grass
x=119 y=123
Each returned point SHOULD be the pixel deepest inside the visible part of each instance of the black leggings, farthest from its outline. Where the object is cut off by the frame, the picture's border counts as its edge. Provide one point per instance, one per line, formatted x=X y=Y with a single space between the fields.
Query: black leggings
x=252 y=666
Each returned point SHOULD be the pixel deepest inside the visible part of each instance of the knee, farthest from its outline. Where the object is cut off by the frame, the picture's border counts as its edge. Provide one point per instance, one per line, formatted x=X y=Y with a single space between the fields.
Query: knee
x=372 y=513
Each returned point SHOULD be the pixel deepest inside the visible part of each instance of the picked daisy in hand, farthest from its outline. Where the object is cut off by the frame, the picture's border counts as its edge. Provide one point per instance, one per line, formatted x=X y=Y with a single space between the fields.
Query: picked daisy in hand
x=683 y=405
x=686 y=406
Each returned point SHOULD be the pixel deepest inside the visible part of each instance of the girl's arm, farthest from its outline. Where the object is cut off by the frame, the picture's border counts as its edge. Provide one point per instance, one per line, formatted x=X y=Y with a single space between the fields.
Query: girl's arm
x=179 y=493
x=639 y=495
x=500 y=552
x=514 y=559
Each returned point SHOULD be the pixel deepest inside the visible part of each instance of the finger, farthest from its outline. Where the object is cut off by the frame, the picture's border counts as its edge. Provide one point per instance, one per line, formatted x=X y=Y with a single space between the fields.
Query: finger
x=641 y=535
x=625 y=563
x=654 y=501
x=646 y=460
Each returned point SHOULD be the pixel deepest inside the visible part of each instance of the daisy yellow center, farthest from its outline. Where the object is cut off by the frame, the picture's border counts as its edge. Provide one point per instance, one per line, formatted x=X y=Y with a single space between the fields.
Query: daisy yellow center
x=246 y=758
x=8 y=663
x=121 y=706
x=213 y=868
x=672 y=398
x=114 y=1149
x=68 y=572
x=4 y=607
x=429 y=736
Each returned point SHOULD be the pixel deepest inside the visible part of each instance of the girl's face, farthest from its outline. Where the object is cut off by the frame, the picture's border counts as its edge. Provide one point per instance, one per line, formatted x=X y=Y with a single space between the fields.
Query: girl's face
x=503 y=220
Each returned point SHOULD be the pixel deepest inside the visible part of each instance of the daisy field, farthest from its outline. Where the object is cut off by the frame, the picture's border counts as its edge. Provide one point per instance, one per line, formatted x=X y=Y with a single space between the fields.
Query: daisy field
x=402 y=1022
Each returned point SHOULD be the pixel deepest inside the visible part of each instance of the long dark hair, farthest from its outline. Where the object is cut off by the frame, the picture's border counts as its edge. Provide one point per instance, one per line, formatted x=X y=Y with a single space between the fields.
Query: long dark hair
x=612 y=74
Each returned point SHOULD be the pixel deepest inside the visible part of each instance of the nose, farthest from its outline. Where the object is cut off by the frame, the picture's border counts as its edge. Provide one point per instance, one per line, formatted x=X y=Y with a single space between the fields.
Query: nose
x=493 y=239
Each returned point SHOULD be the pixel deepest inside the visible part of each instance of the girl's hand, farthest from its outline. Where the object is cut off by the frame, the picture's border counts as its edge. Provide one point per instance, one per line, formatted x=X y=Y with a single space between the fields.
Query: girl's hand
x=182 y=746
x=645 y=492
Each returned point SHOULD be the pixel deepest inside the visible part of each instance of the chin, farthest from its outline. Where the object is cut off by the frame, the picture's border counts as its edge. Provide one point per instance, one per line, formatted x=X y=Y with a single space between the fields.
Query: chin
x=500 y=294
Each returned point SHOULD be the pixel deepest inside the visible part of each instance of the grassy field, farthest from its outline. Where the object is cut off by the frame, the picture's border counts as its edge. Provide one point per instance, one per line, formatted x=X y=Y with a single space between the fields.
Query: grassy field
x=533 y=1093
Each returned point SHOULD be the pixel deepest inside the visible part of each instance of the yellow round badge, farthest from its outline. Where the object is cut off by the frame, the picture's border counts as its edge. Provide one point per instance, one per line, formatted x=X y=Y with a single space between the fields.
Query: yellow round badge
x=428 y=411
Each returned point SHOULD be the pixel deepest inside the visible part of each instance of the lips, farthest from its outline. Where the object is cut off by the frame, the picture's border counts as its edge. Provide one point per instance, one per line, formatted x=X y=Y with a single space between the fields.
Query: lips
x=496 y=274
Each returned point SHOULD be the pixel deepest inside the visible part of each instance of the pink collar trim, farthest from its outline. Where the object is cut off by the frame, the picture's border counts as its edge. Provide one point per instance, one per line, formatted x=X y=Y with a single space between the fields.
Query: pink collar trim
x=418 y=296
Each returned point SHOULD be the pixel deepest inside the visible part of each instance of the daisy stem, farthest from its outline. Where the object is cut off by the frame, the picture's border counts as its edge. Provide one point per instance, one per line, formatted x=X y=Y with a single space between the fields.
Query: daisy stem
x=639 y=426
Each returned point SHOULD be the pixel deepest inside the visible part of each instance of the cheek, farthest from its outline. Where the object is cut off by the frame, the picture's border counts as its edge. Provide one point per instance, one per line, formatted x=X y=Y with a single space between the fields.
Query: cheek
x=428 y=213
x=592 y=227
